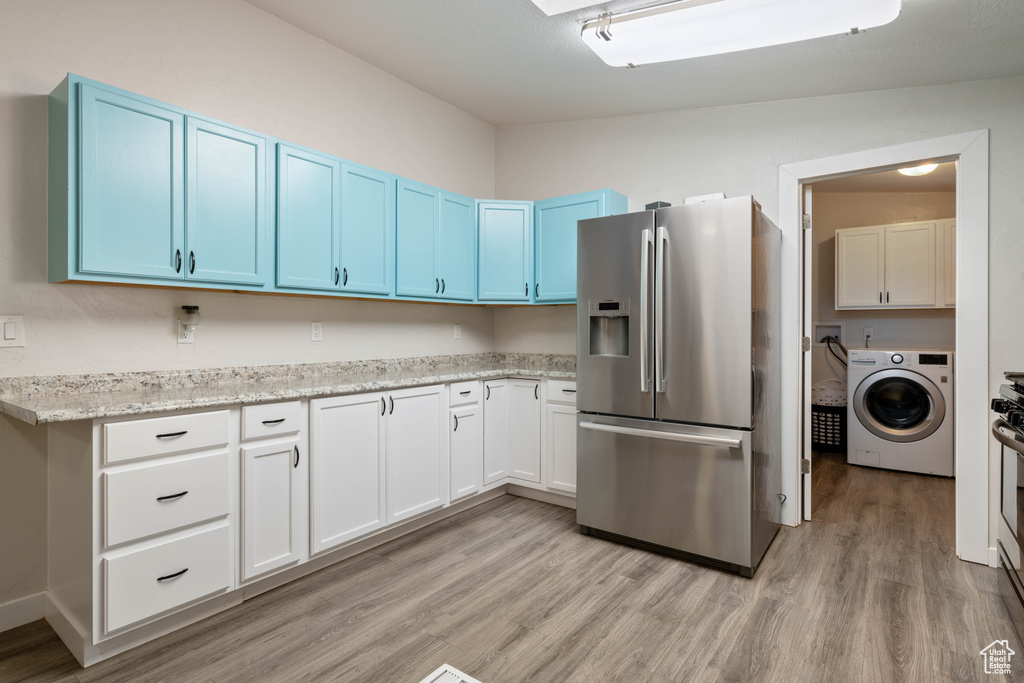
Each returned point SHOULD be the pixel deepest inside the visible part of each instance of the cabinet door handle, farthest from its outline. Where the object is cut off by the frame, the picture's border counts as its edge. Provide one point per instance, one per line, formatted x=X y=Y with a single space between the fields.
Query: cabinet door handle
x=172 y=576
x=177 y=260
x=887 y=297
x=171 y=435
x=879 y=297
x=344 y=283
x=383 y=405
x=273 y=422
x=172 y=497
x=456 y=423
x=465 y=393
x=337 y=276
x=296 y=457
x=488 y=398
x=526 y=292
x=437 y=285
x=191 y=262
x=536 y=389
x=392 y=399
x=442 y=285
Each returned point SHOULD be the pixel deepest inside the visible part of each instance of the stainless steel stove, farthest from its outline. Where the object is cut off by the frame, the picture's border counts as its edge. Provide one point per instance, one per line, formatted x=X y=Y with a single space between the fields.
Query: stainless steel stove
x=1008 y=429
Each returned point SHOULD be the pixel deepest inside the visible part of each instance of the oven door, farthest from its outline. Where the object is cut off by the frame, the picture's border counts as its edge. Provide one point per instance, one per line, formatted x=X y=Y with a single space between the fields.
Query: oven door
x=1012 y=486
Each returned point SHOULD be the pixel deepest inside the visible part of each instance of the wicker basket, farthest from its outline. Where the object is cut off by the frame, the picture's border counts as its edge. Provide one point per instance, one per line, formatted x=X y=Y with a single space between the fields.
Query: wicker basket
x=828 y=416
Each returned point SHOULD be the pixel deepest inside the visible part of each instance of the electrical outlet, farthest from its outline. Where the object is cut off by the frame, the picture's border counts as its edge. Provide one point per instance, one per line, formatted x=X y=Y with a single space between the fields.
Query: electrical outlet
x=458 y=331
x=12 y=330
x=186 y=335
x=316 y=332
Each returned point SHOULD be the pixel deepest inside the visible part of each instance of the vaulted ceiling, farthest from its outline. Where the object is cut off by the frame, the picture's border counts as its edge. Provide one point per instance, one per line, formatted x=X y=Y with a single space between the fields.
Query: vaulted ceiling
x=507 y=63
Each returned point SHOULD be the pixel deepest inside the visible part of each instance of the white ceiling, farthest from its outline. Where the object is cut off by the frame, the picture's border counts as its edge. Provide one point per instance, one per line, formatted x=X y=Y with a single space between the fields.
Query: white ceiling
x=942 y=179
x=507 y=63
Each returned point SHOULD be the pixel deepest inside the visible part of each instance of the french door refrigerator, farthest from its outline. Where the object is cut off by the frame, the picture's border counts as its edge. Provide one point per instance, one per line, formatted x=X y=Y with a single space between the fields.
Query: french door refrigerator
x=678 y=378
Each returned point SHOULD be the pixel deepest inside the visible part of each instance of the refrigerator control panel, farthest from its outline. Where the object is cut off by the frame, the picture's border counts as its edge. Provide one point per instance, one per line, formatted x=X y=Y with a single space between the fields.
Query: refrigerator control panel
x=609 y=308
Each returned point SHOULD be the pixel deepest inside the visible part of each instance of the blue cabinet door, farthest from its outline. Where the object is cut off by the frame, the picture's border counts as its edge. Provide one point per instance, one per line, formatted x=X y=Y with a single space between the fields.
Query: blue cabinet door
x=308 y=219
x=506 y=240
x=225 y=172
x=416 y=262
x=132 y=186
x=457 y=247
x=367 y=230
x=555 y=242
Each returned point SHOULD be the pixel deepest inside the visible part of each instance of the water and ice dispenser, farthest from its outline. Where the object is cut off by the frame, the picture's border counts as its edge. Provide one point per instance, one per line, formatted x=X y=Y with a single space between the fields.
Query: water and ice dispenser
x=609 y=327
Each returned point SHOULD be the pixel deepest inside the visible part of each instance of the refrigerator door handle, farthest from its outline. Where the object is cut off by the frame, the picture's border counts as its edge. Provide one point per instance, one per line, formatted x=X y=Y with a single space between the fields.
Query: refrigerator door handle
x=668 y=436
x=659 y=311
x=646 y=248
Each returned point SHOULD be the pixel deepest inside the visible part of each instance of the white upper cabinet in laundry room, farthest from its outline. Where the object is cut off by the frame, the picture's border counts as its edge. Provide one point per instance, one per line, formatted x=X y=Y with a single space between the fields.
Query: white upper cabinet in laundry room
x=889 y=266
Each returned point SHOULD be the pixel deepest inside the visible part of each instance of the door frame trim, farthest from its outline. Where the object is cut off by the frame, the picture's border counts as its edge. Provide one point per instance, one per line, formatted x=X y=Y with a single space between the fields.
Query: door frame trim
x=974 y=453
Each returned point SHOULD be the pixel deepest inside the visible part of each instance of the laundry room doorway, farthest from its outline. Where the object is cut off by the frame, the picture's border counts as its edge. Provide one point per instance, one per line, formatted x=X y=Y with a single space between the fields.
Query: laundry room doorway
x=805 y=188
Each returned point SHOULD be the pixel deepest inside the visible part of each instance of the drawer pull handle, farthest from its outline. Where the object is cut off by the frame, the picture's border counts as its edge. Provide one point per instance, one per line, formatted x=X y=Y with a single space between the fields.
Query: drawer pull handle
x=273 y=422
x=568 y=391
x=465 y=393
x=171 y=435
x=296 y=457
x=172 y=576
x=174 y=497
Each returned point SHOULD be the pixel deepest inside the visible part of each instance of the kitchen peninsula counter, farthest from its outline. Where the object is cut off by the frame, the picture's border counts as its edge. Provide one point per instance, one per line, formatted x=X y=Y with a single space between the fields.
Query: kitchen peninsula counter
x=66 y=398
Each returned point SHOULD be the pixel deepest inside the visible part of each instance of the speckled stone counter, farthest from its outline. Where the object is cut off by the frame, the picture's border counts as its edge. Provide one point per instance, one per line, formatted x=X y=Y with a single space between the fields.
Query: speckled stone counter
x=65 y=398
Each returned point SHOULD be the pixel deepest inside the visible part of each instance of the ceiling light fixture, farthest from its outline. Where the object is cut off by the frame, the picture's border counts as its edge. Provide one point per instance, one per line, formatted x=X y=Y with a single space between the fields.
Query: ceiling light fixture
x=682 y=29
x=923 y=169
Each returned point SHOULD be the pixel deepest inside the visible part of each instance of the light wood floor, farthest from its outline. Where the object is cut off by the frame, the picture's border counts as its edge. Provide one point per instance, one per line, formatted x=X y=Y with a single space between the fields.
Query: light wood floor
x=510 y=591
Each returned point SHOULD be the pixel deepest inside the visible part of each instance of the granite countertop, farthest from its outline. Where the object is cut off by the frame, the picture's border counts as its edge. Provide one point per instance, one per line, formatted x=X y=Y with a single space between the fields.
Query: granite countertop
x=65 y=398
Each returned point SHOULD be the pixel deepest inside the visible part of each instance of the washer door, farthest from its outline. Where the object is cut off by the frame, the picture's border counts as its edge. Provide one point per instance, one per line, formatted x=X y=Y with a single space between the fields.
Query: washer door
x=899 y=405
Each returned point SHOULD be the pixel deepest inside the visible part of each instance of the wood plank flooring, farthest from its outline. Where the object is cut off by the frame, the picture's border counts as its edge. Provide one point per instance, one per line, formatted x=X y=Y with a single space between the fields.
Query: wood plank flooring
x=510 y=591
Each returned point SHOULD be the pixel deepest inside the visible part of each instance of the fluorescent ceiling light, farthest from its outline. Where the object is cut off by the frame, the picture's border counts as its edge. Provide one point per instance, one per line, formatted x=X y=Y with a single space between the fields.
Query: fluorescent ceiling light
x=697 y=28
x=923 y=169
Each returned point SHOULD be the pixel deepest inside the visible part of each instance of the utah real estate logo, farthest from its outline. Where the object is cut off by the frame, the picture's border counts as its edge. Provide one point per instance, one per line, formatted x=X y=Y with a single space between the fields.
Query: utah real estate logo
x=997 y=657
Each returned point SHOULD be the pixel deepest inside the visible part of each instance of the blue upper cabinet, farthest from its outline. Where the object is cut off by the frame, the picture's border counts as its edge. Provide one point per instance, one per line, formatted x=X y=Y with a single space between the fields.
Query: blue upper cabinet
x=225 y=223
x=308 y=219
x=132 y=186
x=416 y=260
x=457 y=247
x=555 y=239
x=367 y=230
x=506 y=250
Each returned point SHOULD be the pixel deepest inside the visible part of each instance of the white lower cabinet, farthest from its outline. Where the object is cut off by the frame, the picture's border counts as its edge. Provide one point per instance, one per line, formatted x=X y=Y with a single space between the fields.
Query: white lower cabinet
x=495 y=430
x=524 y=430
x=271 y=507
x=347 y=475
x=559 y=452
x=465 y=451
x=416 y=452
x=155 y=579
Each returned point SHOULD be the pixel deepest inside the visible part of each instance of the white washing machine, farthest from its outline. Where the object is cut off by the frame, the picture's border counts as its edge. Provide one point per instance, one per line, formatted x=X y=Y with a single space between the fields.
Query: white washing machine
x=900 y=410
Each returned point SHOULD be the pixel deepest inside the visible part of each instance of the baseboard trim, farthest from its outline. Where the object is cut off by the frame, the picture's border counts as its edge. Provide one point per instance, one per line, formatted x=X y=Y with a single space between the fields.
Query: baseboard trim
x=22 y=611
x=543 y=496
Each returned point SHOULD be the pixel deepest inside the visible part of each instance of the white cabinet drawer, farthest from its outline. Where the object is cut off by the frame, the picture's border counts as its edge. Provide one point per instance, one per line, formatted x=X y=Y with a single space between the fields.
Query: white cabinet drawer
x=561 y=391
x=152 y=500
x=123 y=441
x=148 y=582
x=463 y=393
x=271 y=419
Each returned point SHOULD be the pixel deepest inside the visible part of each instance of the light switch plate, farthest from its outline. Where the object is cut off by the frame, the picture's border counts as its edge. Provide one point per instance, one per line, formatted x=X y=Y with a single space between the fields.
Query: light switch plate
x=12 y=330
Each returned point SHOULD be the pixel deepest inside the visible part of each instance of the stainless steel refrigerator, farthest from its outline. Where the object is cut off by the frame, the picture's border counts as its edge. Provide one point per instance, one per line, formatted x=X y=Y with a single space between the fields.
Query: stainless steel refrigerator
x=678 y=378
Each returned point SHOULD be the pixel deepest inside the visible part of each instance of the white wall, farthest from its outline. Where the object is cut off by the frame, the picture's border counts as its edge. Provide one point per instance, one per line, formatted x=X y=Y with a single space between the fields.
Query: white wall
x=900 y=329
x=229 y=60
